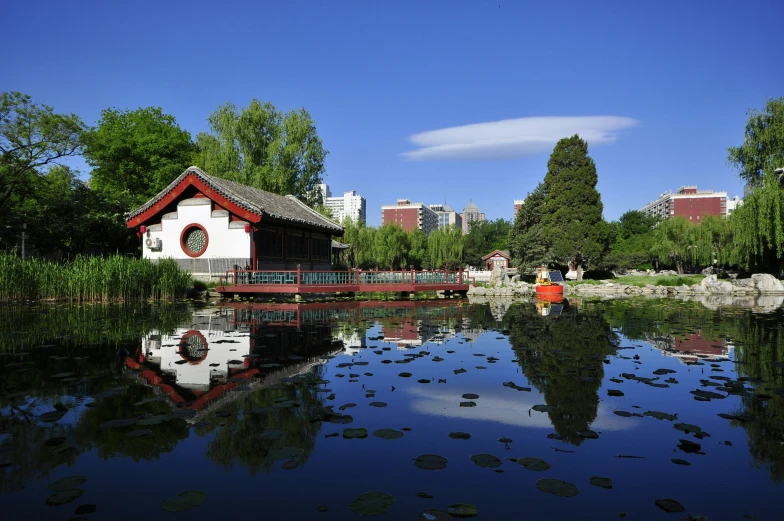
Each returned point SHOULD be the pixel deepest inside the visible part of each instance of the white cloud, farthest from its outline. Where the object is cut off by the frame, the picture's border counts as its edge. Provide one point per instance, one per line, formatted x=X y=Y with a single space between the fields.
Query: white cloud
x=512 y=138
x=509 y=408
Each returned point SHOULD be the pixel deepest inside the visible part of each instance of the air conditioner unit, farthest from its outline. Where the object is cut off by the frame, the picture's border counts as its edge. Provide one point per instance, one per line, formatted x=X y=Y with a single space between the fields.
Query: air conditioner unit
x=153 y=244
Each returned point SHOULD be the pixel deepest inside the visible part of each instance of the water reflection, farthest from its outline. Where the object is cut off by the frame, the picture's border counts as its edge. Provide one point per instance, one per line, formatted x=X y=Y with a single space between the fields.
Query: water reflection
x=264 y=392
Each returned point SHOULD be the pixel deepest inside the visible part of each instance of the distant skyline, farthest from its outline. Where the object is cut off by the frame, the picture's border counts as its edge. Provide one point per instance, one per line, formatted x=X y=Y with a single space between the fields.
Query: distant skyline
x=438 y=101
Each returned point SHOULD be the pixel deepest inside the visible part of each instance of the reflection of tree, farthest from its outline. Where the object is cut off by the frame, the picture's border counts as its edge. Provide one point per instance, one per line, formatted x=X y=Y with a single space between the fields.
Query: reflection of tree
x=114 y=441
x=562 y=356
x=240 y=439
x=759 y=347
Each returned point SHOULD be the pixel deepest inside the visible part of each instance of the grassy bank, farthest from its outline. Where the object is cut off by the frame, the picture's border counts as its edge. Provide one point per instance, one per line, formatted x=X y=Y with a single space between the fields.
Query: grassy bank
x=642 y=280
x=91 y=279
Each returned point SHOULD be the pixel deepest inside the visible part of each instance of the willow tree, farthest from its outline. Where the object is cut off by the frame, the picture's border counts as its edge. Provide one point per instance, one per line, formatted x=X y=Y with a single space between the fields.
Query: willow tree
x=673 y=242
x=713 y=241
x=445 y=247
x=360 y=239
x=758 y=225
x=262 y=147
x=572 y=222
x=391 y=246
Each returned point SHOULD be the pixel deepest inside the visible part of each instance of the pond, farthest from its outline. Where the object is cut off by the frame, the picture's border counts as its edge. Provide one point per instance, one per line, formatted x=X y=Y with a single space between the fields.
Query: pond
x=403 y=410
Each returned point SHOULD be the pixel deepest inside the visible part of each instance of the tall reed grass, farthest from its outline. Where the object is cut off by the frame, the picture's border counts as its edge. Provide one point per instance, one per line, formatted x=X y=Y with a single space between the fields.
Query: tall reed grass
x=91 y=279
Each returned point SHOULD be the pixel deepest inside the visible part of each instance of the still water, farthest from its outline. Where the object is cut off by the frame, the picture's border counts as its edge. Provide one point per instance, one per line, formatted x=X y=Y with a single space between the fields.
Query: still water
x=295 y=411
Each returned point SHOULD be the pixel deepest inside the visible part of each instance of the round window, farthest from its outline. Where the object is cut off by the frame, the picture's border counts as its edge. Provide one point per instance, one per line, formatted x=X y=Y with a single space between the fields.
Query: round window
x=193 y=347
x=194 y=240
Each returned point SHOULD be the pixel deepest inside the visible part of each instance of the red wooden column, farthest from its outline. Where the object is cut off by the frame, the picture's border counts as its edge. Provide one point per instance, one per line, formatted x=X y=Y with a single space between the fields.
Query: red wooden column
x=299 y=281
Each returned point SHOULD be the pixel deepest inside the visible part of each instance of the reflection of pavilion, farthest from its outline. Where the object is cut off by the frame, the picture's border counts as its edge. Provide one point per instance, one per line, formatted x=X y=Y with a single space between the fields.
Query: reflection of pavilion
x=259 y=344
x=215 y=353
x=693 y=347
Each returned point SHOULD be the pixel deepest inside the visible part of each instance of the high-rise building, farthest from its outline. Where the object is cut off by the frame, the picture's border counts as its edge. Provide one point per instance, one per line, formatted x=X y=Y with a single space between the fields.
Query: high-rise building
x=447 y=217
x=409 y=216
x=350 y=204
x=691 y=204
x=471 y=214
x=518 y=203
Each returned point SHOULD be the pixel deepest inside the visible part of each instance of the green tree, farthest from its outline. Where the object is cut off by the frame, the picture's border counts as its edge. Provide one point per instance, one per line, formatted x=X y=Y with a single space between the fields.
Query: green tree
x=486 y=237
x=136 y=154
x=572 y=222
x=674 y=242
x=391 y=247
x=32 y=136
x=262 y=147
x=631 y=241
x=713 y=241
x=445 y=248
x=417 y=253
x=526 y=244
x=360 y=239
x=762 y=150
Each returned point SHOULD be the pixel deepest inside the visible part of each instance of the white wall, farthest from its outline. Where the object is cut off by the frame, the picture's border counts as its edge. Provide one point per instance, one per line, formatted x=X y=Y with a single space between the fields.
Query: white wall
x=224 y=241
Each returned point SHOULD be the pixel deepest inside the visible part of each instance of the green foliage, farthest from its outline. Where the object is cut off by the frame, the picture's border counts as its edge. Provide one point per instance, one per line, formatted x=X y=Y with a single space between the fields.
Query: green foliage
x=757 y=227
x=486 y=237
x=262 y=147
x=360 y=239
x=634 y=223
x=445 y=248
x=136 y=154
x=391 y=247
x=673 y=242
x=572 y=222
x=526 y=244
x=631 y=242
x=417 y=248
x=91 y=279
x=762 y=150
x=32 y=136
x=713 y=241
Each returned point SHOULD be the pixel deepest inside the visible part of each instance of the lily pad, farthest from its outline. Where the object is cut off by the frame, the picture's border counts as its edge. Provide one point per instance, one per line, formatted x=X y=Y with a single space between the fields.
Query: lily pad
x=679 y=461
x=470 y=396
x=286 y=453
x=661 y=415
x=459 y=435
x=462 y=510
x=614 y=392
x=430 y=462
x=372 y=503
x=542 y=408
x=669 y=505
x=687 y=428
x=154 y=420
x=378 y=404
x=405 y=375
x=272 y=434
x=557 y=487
x=388 y=434
x=358 y=433
x=138 y=433
x=184 y=501
x=431 y=514
x=68 y=483
x=467 y=404
x=535 y=464
x=126 y=422
x=63 y=496
x=601 y=482
x=486 y=460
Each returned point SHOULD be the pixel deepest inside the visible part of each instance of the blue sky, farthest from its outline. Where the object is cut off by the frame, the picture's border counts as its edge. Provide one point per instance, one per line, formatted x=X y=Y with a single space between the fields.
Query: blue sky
x=660 y=89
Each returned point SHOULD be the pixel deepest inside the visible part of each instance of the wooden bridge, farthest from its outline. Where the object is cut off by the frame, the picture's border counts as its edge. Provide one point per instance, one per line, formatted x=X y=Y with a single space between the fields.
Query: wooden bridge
x=349 y=282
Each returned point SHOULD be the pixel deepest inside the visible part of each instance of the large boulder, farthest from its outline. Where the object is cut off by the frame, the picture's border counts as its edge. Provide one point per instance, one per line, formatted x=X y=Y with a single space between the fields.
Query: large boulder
x=767 y=283
x=707 y=281
x=497 y=276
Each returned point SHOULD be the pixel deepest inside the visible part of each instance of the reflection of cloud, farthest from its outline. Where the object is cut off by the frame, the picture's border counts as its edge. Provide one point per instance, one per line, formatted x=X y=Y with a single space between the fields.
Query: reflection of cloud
x=514 y=137
x=512 y=410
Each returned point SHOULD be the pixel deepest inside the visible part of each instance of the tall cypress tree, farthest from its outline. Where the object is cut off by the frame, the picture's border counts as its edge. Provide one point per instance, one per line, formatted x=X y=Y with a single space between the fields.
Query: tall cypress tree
x=572 y=222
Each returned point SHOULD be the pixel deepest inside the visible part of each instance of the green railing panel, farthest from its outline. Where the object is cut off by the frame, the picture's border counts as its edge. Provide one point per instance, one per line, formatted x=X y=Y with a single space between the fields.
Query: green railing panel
x=327 y=278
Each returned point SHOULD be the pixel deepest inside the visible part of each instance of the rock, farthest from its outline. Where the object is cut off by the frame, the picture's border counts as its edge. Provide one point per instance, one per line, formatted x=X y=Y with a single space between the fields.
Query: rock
x=767 y=283
x=710 y=279
x=745 y=283
x=477 y=290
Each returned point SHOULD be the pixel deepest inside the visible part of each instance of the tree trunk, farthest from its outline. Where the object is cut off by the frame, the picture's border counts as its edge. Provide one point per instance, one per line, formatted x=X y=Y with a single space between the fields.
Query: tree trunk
x=579 y=272
x=679 y=266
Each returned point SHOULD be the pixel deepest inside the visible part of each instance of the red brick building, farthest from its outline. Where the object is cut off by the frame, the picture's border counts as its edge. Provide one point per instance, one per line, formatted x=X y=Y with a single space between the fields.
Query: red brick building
x=692 y=204
x=410 y=215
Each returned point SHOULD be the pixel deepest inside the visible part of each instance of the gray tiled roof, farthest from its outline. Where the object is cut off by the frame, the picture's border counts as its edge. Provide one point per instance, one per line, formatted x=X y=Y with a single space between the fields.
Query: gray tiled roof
x=266 y=204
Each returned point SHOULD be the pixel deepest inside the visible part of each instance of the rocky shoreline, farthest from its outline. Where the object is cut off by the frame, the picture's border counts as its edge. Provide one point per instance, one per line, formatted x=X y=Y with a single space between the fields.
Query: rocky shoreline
x=757 y=284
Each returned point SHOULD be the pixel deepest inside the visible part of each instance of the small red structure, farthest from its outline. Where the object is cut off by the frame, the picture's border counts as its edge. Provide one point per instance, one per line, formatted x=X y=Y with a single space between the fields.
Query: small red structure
x=497 y=259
